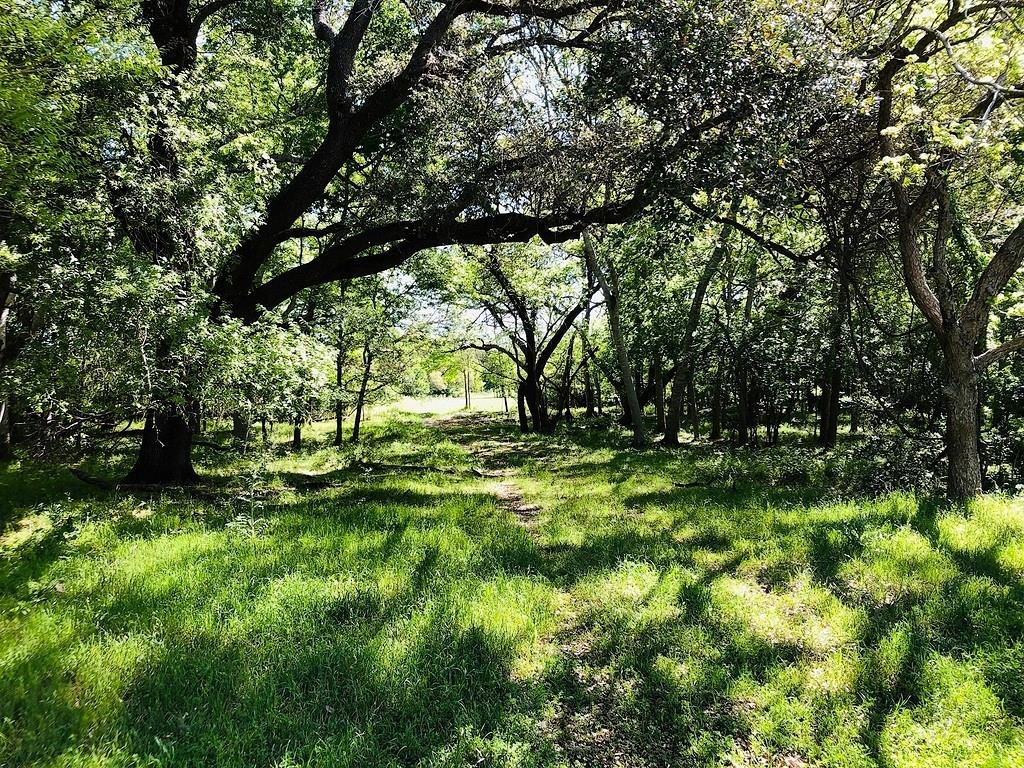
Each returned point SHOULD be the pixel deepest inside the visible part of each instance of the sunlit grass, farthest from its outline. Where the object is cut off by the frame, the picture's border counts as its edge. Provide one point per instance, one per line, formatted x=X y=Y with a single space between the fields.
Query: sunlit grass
x=304 y=609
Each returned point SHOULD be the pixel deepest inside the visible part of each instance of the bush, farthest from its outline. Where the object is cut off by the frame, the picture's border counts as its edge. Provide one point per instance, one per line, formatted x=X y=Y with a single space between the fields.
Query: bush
x=885 y=463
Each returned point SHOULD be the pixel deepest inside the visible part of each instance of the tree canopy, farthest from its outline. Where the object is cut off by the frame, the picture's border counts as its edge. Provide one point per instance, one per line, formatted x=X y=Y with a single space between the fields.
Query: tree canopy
x=757 y=211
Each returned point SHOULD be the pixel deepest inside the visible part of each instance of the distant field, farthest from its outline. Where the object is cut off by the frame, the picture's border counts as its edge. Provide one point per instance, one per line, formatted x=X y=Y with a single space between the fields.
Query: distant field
x=484 y=402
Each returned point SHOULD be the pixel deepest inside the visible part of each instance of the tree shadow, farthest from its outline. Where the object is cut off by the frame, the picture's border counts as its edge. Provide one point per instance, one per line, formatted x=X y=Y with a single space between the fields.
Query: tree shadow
x=27 y=486
x=338 y=634
x=334 y=633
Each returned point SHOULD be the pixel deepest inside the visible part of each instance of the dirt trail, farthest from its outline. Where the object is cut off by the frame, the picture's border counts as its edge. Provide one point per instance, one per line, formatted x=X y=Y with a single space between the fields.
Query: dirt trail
x=491 y=455
x=591 y=722
x=510 y=498
x=588 y=723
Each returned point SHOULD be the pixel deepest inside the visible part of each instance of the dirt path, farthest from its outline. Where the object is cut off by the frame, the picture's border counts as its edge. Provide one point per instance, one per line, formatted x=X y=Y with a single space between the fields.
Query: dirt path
x=510 y=498
x=491 y=456
x=593 y=720
x=588 y=723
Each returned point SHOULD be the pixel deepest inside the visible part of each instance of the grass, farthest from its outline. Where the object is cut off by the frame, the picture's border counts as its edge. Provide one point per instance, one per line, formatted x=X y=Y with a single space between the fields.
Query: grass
x=408 y=618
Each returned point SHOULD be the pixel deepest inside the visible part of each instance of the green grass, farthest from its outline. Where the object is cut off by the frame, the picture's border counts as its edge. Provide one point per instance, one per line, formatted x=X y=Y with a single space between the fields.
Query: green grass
x=402 y=617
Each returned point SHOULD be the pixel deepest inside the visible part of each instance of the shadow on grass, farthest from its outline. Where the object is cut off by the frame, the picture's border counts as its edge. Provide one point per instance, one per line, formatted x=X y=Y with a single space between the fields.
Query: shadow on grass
x=335 y=696
x=342 y=633
x=25 y=486
x=351 y=626
x=672 y=689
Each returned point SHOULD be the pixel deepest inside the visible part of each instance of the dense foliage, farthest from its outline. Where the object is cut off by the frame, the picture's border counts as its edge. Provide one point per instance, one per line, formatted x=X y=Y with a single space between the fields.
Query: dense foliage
x=743 y=218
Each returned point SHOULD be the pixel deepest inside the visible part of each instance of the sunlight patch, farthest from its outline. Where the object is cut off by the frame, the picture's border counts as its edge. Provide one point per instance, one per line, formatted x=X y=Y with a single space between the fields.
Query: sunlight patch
x=803 y=616
x=960 y=724
x=896 y=566
x=28 y=528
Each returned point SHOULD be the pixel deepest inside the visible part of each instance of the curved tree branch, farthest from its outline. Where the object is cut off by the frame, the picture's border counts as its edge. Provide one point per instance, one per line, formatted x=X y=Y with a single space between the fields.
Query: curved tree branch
x=996 y=354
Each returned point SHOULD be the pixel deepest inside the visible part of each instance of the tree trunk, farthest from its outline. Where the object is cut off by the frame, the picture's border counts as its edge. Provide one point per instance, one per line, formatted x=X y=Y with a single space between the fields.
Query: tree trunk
x=165 y=455
x=691 y=407
x=565 y=394
x=745 y=400
x=716 y=409
x=297 y=435
x=742 y=406
x=674 y=418
x=590 y=400
x=339 y=423
x=980 y=345
x=5 y=431
x=339 y=404
x=636 y=417
x=683 y=362
x=361 y=397
x=195 y=417
x=960 y=393
x=240 y=428
x=588 y=390
x=357 y=421
x=7 y=287
x=832 y=381
x=828 y=431
x=535 y=403
x=610 y=287
x=524 y=421
x=659 y=395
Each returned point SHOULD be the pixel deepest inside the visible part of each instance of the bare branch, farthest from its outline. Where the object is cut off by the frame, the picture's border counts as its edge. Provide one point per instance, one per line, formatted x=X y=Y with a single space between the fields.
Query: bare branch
x=961 y=70
x=483 y=347
x=766 y=243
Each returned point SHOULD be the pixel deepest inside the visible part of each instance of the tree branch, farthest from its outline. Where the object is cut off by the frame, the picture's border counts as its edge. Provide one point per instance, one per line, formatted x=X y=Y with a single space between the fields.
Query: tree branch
x=764 y=242
x=344 y=47
x=994 y=277
x=208 y=10
x=323 y=31
x=991 y=85
x=552 y=342
x=996 y=354
x=483 y=347
x=354 y=256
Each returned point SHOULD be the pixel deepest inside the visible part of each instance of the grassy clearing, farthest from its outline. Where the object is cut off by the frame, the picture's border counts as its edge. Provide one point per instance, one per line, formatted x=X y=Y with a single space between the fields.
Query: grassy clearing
x=406 y=618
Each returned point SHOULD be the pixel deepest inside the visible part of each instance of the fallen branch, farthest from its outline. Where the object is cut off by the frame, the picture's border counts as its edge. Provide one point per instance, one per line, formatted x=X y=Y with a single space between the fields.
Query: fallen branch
x=99 y=482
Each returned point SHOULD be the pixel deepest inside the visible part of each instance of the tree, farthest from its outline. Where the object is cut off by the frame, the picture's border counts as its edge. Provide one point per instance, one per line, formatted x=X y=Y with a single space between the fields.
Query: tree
x=376 y=133
x=60 y=94
x=531 y=297
x=947 y=138
x=374 y=345
x=363 y=164
x=608 y=279
x=685 y=364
